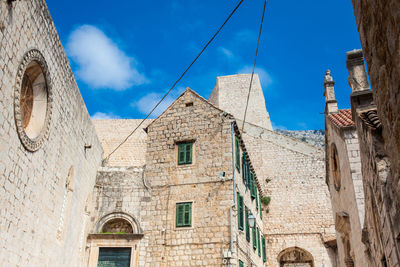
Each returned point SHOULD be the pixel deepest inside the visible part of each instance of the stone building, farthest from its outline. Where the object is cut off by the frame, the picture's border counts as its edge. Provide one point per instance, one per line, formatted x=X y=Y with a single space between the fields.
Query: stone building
x=49 y=150
x=378 y=23
x=359 y=171
x=179 y=192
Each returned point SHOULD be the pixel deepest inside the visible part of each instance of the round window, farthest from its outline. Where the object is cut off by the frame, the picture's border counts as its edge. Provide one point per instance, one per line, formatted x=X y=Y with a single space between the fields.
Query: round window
x=32 y=100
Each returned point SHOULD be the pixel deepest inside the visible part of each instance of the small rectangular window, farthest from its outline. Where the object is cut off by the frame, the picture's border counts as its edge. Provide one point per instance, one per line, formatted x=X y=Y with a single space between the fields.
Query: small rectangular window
x=237 y=153
x=240 y=212
x=185 y=151
x=184 y=214
x=253 y=186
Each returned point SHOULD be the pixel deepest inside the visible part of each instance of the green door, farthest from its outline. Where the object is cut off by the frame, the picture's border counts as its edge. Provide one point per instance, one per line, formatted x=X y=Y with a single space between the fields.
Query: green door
x=114 y=257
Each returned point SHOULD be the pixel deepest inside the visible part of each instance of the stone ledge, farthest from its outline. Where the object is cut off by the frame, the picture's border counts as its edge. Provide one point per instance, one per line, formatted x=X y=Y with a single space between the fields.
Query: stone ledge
x=115 y=236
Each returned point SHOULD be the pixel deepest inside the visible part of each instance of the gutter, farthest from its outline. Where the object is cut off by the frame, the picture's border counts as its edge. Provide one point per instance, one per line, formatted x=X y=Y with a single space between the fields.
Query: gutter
x=233 y=189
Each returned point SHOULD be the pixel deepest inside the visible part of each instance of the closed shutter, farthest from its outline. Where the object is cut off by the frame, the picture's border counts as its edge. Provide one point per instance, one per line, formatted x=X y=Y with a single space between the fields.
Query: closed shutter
x=258 y=242
x=189 y=148
x=114 y=257
x=244 y=173
x=185 y=153
x=240 y=212
x=264 y=252
x=254 y=234
x=237 y=153
x=247 y=225
x=241 y=263
x=183 y=214
x=261 y=211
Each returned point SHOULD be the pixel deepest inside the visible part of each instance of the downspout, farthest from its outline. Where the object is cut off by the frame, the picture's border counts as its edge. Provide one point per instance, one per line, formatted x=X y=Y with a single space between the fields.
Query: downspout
x=234 y=188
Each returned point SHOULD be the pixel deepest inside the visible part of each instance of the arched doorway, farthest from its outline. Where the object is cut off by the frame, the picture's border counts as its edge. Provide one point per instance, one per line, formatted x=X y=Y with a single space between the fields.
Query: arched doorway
x=295 y=257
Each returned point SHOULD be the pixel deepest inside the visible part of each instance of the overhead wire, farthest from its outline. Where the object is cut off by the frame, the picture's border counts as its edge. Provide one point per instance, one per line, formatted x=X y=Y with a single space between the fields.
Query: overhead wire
x=175 y=83
x=254 y=64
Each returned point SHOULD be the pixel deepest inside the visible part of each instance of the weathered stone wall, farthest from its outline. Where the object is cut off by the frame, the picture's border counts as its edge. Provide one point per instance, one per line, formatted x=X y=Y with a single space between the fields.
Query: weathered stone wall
x=200 y=182
x=349 y=197
x=378 y=24
x=112 y=132
x=43 y=193
x=299 y=213
x=230 y=94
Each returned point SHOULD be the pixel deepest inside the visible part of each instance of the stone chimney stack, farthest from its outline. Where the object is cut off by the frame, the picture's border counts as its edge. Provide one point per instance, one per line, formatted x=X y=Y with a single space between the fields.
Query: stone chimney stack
x=330 y=100
x=358 y=79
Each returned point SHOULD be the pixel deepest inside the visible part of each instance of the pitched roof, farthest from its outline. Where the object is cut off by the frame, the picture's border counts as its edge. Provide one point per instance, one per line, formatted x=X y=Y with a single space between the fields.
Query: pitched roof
x=342 y=119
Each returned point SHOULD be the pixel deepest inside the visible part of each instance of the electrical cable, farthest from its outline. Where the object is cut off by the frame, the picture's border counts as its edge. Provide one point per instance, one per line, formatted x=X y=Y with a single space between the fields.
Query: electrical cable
x=254 y=64
x=175 y=83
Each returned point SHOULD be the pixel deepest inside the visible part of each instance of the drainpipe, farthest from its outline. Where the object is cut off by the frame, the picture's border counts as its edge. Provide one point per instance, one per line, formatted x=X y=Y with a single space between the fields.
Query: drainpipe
x=234 y=188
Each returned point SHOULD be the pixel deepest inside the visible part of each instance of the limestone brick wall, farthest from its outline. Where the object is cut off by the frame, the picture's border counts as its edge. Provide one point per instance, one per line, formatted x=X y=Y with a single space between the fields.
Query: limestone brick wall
x=378 y=23
x=349 y=198
x=299 y=213
x=230 y=94
x=112 y=132
x=38 y=204
x=202 y=244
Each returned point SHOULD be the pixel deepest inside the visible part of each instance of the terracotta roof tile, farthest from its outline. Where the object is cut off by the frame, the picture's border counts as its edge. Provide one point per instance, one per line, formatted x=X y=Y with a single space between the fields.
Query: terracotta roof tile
x=342 y=119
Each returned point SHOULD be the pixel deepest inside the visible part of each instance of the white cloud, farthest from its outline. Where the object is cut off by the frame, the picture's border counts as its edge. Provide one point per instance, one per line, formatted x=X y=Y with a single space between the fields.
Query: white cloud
x=265 y=77
x=104 y=116
x=226 y=52
x=145 y=104
x=101 y=63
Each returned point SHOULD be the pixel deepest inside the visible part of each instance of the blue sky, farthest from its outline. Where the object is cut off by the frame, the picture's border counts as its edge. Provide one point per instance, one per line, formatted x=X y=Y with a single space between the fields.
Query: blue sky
x=125 y=54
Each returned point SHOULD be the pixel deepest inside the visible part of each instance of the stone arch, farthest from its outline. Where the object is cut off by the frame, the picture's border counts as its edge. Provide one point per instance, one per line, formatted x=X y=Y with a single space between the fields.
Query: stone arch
x=119 y=218
x=295 y=256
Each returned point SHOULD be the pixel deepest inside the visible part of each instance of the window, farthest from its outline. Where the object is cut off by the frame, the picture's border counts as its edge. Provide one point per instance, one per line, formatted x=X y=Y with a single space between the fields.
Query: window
x=264 y=252
x=241 y=263
x=244 y=168
x=247 y=225
x=240 y=212
x=114 y=257
x=254 y=237
x=258 y=242
x=335 y=168
x=237 y=153
x=184 y=214
x=259 y=203
x=185 y=151
x=252 y=185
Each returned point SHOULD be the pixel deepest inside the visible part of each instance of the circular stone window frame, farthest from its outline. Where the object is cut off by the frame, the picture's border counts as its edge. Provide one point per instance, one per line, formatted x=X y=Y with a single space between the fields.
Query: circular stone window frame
x=32 y=144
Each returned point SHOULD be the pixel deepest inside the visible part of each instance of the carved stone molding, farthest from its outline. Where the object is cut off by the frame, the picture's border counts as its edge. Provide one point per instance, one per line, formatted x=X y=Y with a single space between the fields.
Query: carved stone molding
x=33 y=143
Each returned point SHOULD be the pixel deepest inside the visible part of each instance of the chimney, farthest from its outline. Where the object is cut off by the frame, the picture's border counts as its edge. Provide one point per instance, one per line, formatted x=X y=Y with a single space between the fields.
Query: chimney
x=330 y=100
x=358 y=79
x=361 y=98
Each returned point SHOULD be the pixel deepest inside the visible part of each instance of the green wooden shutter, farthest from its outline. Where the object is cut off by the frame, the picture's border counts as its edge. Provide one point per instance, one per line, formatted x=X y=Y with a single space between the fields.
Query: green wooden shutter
x=183 y=214
x=247 y=225
x=254 y=234
x=188 y=214
x=181 y=154
x=264 y=251
x=241 y=263
x=258 y=242
x=179 y=215
x=189 y=149
x=248 y=174
x=256 y=201
x=244 y=168
x=240 y=212
x=253 y=186
x=237 y=153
